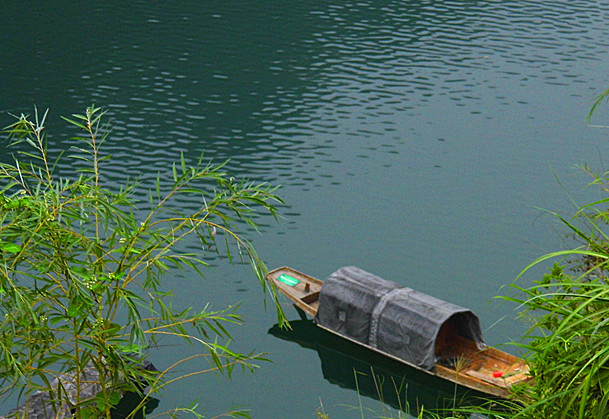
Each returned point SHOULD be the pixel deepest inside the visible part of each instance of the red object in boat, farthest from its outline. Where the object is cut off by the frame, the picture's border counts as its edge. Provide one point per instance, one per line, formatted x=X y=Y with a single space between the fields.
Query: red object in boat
x=497 y=374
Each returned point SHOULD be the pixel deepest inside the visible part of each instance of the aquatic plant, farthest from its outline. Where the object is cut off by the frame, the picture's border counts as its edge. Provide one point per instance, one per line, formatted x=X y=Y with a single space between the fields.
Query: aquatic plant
x=82 y=263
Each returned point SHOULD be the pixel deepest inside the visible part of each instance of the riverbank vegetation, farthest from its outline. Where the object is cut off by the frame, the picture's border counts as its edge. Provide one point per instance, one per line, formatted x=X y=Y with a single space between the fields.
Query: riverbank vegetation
x=567 y=344
x=82 y=264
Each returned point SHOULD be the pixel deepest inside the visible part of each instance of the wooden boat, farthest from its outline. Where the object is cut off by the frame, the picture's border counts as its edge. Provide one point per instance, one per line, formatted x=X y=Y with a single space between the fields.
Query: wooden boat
x=426 y=333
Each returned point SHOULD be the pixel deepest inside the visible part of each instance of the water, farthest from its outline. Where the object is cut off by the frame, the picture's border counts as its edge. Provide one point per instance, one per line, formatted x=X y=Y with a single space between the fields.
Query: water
x=415 y=139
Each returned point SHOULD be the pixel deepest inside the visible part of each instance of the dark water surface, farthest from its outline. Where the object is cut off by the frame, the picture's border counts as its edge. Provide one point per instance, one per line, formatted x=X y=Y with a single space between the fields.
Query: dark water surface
x=414 y=139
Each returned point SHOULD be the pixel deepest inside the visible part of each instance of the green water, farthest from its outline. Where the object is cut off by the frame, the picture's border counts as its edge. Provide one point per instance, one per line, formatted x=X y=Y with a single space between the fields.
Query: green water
x=415 y=139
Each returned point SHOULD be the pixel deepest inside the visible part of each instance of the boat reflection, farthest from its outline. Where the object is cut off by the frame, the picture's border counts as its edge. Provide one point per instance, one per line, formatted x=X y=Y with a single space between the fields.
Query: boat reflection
x=375 y=376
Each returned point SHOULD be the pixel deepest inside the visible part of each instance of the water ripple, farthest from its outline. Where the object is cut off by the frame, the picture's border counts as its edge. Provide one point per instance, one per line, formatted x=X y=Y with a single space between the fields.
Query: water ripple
x=274 y=83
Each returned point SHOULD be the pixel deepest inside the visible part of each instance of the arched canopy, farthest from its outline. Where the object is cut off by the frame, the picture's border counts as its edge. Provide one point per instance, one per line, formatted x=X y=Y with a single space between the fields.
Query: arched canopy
x=390 y=318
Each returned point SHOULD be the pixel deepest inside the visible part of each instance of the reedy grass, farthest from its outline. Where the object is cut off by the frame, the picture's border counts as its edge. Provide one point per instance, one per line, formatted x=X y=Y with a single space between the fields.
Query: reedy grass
x=567 y=344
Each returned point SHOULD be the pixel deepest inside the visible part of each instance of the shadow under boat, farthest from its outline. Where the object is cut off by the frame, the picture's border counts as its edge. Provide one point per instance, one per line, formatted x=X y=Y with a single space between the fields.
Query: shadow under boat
x=373 y=375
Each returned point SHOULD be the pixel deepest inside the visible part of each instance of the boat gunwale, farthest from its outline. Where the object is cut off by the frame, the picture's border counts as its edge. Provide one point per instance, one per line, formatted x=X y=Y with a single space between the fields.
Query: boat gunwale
x=299 y=302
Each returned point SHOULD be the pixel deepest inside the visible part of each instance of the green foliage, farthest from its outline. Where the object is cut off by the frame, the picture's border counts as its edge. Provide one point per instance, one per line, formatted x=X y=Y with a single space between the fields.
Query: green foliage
x=82 y=264
x=568 y=342
x=569 y=338
x=603 y=97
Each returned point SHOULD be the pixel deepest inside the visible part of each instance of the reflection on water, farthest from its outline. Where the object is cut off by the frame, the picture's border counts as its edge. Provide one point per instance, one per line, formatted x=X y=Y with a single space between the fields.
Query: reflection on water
x=412 y=138
x=350 y=366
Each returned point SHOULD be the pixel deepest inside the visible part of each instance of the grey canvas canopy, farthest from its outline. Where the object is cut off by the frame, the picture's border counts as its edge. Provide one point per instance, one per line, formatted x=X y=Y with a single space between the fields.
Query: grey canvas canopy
x=391 y=318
